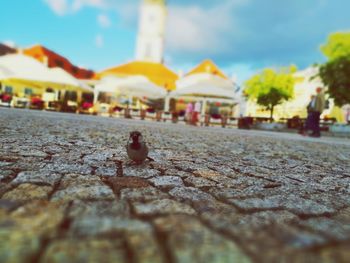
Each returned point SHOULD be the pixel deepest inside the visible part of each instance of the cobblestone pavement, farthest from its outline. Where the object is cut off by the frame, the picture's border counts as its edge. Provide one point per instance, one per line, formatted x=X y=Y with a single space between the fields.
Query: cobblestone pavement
x=69 y=194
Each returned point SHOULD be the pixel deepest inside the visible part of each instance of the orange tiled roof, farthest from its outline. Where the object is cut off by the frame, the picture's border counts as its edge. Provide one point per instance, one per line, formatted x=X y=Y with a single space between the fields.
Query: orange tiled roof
x=207 y=66
x=55 y=60
x=156 y=72
x=4 y=50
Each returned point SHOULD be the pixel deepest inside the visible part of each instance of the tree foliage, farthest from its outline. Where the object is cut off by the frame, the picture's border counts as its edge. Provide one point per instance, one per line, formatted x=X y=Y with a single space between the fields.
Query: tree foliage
x=335 y=75
x=338 y=45
x=270 y=87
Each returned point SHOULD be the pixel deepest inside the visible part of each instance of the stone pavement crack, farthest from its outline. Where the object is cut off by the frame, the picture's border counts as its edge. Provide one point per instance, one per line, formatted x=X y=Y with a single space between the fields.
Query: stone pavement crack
x=164 y=248
x=119 y=165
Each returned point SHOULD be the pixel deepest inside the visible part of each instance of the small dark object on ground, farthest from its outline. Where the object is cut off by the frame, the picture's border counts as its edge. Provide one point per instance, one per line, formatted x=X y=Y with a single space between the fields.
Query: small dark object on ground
x=136 y=148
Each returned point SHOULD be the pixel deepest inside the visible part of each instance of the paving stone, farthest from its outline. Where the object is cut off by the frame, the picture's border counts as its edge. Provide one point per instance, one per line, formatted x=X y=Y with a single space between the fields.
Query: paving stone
x=296 y=238
x=167 y=182
x=295 y=204
x=8 y=205
x=252 y=204
x=27 y=192
x=175 y=172
x=68 y=168
x=143 y=194
x=21 y=231
x=328 y=227
x=265 y=218
x=89 y=250
x=88 y=192
x=198 y=182
x=162 y=207
x=190 y=194
x=343 y=216
x=85 y=226
x=33 y=153
x=145 y=246
x=5 y=174
x=4 y=164
x=69 y=180
x=119 y=183
x=74 y=186
x=140 y=171
x=106 y=171
x=37 y=177
x=53 y=149
x=190 y=241
x=100 y=208
x=219 y=178
x=334 y=254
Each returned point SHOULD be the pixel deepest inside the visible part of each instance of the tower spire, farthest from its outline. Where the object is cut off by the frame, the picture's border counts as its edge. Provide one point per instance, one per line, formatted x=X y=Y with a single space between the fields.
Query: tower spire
x=150 y=40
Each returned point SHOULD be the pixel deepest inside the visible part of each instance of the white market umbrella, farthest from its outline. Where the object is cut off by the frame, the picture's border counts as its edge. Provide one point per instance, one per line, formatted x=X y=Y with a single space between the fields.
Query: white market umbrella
x=204 y=86
x=135 y=86
x=204 y=90
x=29 y=69
x=59 y=75
x=24 y=67
x=207 y=79
x=5 y=73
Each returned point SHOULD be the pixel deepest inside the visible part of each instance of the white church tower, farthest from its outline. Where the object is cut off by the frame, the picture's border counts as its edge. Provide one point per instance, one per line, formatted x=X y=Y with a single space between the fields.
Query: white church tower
x=150 y=40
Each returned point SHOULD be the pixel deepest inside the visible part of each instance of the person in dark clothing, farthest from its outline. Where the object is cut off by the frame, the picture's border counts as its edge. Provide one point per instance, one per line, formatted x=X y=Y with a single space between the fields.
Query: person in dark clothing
x=317 y=109
x=308 y=122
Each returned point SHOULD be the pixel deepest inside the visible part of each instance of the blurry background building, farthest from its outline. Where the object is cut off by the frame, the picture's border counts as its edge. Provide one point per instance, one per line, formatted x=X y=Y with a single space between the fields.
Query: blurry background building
x=150 y=39
x=4 y=49
x=52 y=60
x=306 y=83
x=149 y=49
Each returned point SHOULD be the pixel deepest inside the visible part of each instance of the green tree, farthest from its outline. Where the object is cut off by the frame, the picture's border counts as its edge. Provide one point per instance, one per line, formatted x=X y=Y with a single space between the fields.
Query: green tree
x=338 y=45
x=335 y=73
x=270 y=87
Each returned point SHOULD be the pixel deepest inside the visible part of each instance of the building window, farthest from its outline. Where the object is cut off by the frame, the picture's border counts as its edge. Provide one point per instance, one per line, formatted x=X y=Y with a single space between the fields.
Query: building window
x=71 y=95
x=8 y=89
x=28 y=91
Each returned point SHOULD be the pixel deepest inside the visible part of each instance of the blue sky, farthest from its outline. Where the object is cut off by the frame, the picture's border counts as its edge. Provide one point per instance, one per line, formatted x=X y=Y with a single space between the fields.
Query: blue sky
x=241 y=36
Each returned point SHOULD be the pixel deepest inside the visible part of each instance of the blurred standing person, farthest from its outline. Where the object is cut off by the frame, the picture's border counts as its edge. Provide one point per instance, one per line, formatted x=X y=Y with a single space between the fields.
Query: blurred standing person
x=318 y=108
x=196 y=112
x=308 y=122
x=172 y=109
x=188 y=113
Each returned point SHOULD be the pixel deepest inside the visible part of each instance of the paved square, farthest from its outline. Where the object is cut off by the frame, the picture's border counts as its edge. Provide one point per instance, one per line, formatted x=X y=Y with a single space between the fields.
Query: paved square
x=69 y=194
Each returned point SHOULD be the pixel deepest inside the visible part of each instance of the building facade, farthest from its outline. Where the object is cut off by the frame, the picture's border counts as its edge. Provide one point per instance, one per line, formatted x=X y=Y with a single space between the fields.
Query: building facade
x=306 y=84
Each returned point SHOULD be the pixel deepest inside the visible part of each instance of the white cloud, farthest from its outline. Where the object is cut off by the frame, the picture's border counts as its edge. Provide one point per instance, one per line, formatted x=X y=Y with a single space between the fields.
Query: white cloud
x=199 y=28
x=59 y=7
x=99 y=41
x=103 y=20
x=64 y=7
x=100 y=4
